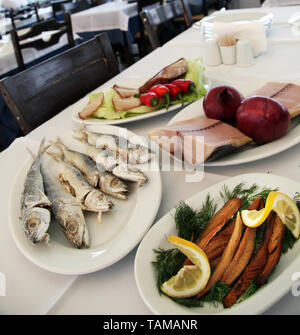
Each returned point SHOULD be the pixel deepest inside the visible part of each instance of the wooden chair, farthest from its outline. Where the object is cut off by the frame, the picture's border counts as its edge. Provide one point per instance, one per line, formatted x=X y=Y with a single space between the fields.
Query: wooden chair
x=40 y=92
x=161 y=17
x=61 y=28
x=23 y=13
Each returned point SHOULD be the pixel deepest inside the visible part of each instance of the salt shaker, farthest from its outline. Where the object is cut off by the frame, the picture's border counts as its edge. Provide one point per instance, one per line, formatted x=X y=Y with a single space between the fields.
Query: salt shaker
x=244 y=53
x=211 y=56
x=227 y=43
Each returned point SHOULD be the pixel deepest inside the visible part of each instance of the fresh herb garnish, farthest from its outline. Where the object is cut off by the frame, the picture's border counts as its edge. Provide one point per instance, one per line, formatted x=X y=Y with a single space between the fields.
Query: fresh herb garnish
x=167 y=264
x=189 y=224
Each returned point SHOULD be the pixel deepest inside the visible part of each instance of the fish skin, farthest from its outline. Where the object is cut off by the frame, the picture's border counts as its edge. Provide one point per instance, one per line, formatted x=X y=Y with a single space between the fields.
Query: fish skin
x=274 y=250
x=34 y=205
x=225 y=258
x=107 y=183
x=241 y=257
x=256 y=264
x=115 y=164
x=66 y=209
x=216 y=223
x=168 y=73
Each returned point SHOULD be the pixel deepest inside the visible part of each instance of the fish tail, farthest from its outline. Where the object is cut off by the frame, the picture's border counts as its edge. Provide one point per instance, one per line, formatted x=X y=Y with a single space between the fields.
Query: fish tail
x=34 y=156
x=80 y=134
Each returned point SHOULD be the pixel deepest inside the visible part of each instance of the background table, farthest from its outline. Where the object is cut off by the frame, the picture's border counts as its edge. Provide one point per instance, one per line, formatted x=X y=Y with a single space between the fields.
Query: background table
x=113 y=290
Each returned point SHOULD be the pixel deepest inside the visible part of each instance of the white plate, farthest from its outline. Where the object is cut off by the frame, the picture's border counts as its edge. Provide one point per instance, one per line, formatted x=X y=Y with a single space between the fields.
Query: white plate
x=122 y=228
x=236 y=17
x=134 y=82
x=279 y=282
x=290 y=139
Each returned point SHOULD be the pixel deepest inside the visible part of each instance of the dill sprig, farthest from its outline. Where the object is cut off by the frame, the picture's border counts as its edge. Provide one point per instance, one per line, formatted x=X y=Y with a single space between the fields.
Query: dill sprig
x=216 y=293
x=238 y=192
x=167 y=264
x=288 y=241
x=252 y=288
x=190 y=222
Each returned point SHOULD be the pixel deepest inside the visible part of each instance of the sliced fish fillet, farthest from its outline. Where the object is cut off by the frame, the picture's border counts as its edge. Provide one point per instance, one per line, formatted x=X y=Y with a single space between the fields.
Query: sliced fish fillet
x=199 y=139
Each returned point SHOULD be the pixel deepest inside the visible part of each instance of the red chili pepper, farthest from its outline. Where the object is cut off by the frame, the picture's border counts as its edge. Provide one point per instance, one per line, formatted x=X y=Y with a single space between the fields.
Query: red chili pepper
x=162 y=91
x=174 y=91
x=184 y=85
x=150 y=99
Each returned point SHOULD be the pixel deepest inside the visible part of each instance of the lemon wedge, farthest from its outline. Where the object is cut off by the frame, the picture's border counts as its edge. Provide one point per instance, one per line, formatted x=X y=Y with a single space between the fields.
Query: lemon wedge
x=190 y=279
x=282 y=205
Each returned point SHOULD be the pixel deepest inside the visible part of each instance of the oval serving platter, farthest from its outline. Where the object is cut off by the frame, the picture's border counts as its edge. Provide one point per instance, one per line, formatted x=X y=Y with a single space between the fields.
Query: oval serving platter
x=121 y=230
x=279 y=281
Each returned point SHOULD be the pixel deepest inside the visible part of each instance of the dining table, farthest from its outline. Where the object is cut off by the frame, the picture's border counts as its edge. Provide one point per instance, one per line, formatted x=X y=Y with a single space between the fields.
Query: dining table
x=113 y=290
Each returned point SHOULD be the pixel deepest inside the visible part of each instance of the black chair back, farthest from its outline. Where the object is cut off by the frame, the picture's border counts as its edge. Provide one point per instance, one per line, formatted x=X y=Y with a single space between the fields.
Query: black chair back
x=60 y=29
x=40 y=92
x=159 y=21
x=23 y=13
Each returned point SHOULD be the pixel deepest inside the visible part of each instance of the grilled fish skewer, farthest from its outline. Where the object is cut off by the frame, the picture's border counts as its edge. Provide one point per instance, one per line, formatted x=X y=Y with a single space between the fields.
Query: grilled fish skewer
x=74 y=182
x=107 y=183
x=35 y=214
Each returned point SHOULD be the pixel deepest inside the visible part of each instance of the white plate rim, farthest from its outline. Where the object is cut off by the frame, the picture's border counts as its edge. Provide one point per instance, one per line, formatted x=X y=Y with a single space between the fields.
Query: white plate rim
x=242 y=308
x=147 y=224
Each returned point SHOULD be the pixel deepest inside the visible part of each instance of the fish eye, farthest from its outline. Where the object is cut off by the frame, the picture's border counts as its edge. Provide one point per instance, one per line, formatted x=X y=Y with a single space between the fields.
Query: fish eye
x=72 y=227
x=33 y=223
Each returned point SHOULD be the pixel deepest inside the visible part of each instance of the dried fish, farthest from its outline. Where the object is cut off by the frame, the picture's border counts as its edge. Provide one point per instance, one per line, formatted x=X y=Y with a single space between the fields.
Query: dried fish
x=75 y=183
x=65 y=207
x=34 y=204
x=107 y=182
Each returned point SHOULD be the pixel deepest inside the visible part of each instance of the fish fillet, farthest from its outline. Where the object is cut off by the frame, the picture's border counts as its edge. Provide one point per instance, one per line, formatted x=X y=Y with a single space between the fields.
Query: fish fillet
x=219 y=242
x=92 y=106
x=254 y=267
x=168 y=73
x=226 y=257
x=286 y=93
x=199 y=139
x=217 y=222
x=274 y=250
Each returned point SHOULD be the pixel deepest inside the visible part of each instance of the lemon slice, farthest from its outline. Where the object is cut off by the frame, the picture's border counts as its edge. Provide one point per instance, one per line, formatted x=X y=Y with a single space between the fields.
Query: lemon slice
x=282 y=205
x=190 y=279
x=287 y=210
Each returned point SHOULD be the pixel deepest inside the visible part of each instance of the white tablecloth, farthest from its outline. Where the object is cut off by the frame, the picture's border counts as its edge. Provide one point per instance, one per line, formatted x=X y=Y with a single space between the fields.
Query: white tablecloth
x=97 y=293
x=111 y=15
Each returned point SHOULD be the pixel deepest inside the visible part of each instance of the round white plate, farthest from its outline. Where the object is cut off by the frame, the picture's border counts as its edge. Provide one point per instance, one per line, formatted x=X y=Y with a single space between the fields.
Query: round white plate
x=134 y=82
x=279 y=282
x=122 y=228
x=290 y=139
x=236 y=17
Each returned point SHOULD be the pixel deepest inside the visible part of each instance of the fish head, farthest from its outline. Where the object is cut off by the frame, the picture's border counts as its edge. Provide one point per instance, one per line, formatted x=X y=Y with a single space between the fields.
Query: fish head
x=98 y=201
x=36 y=222
x=76 y=232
